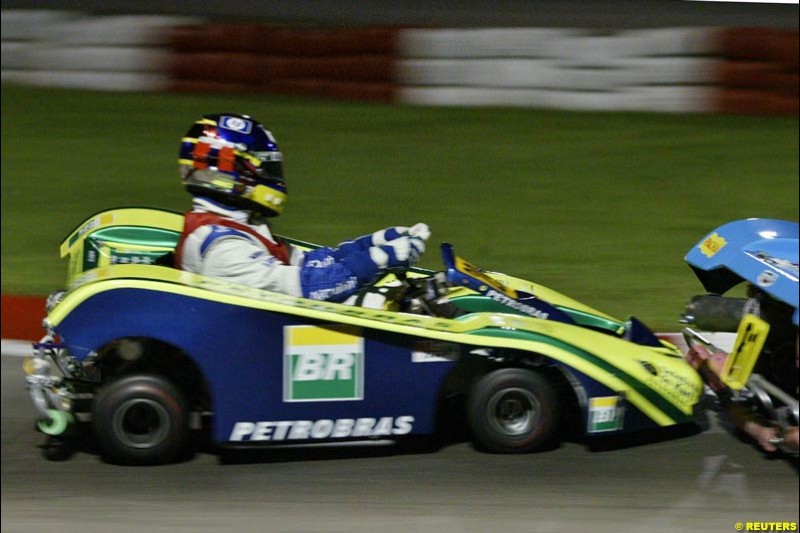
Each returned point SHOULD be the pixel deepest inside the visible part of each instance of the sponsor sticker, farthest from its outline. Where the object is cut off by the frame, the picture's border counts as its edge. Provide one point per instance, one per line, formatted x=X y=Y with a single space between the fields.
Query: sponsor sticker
x=766 y=278
x=341 y=428
x=605 y=414
x=95 y=222
x=236 y=124
x=323 y=363
x=475 y=272
x=514 y=304
x=785 y=267
x=268 y=156
x=712 y=245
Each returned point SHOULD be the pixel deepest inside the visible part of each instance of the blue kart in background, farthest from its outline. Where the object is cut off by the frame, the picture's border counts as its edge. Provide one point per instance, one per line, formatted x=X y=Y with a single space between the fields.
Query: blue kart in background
x=143 y=355
x=760 y=376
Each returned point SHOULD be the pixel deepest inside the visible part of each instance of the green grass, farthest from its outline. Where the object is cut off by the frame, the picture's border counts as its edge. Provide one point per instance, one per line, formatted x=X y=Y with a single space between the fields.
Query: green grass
x=601 y=206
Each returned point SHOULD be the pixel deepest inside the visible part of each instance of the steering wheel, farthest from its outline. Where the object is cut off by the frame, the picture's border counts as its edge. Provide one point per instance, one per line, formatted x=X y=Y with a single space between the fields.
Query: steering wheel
x=411 y=294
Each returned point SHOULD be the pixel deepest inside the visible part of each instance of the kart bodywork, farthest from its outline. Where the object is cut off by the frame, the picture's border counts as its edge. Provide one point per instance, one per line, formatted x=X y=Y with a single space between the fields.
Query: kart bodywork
x=146 y=353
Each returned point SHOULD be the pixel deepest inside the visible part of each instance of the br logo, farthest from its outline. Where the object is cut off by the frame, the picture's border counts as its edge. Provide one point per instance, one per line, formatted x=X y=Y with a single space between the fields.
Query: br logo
x=323 y=363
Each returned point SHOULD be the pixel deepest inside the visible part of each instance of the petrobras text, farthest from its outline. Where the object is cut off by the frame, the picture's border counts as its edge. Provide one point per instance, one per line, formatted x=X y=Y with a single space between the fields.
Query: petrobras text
x=519 y=306
x=340 y=288
x=340 y=428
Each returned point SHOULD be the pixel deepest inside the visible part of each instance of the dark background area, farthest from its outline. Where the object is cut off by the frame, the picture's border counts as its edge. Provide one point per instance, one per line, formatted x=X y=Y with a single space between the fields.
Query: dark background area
x=451 y=13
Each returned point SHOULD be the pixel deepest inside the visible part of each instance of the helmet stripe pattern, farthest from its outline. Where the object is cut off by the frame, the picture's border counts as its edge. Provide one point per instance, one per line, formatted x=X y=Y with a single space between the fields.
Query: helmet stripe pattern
x=200 y=154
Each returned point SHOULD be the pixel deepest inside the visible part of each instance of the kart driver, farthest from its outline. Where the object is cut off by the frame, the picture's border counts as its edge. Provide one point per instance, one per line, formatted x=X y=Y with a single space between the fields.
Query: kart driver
x=232 y=166
x=776 y=362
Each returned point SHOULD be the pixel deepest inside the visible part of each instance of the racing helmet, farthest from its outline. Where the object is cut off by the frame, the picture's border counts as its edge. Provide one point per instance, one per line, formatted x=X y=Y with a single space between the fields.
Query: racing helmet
x=234 y=160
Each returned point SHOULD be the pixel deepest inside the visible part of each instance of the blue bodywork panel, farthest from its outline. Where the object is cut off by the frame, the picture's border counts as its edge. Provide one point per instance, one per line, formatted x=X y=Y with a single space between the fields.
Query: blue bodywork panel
x=245 y=357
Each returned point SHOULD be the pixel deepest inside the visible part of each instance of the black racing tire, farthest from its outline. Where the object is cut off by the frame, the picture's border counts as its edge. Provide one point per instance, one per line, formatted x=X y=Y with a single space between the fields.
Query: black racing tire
x=513 y=410
x=141 y=419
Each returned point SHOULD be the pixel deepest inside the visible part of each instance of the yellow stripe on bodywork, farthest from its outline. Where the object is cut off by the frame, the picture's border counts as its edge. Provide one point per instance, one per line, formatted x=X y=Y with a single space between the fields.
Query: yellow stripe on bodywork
x=603 y=401
x=316 y=335
x=614 y=351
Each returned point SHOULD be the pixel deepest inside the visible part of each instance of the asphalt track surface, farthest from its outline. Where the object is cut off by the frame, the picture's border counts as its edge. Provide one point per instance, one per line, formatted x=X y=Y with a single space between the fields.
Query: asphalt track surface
x=706 y=480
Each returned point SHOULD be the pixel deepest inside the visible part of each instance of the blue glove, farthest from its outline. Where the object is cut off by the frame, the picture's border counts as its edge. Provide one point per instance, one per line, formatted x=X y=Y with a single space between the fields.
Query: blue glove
x=389 y=234
x=403 y=252
x=334 y=274
x=384 y=236
x=419 y=230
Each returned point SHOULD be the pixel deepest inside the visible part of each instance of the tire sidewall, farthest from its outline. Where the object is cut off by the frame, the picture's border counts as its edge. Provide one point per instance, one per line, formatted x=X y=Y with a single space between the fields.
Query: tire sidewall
x=154 y=392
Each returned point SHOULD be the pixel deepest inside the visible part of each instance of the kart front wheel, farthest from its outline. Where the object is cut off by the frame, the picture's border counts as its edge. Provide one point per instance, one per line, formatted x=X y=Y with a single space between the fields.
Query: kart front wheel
x=141 y=420
x=513 y=411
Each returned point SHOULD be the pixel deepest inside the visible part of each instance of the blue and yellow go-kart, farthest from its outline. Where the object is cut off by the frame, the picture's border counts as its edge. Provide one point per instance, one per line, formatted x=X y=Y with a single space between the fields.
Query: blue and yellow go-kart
x=146 y=354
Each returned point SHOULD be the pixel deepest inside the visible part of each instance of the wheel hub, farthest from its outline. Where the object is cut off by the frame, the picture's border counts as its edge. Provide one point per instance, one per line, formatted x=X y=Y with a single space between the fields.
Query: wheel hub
x=141 y=423
x=513 y=411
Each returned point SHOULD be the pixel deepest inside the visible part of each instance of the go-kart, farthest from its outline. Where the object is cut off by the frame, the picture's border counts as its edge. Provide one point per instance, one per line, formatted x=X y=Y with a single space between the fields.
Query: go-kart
x=145 y=354
x=759 y=376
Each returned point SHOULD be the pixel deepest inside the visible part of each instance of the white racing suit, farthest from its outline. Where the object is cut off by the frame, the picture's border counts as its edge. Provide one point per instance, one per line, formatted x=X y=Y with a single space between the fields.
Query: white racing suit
x=218 y=241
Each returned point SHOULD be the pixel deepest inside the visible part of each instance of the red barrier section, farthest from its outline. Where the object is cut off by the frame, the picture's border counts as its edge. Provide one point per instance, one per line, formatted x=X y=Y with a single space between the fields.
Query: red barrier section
x=354 y=64
x=758 y=74
x=208 y=86
x=747 y=102
x=292 y=42
x=22 y=317
x=259 y=70
x=761 y=44
x=222 y=37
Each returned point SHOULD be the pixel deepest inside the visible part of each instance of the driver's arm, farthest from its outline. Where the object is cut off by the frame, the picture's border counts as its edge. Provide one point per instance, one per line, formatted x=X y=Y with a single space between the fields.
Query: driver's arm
x=335 y=274
x=326 y=275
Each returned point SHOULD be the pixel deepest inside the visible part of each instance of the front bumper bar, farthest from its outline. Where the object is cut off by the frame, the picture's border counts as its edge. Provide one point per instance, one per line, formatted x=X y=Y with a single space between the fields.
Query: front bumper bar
x=44 y=387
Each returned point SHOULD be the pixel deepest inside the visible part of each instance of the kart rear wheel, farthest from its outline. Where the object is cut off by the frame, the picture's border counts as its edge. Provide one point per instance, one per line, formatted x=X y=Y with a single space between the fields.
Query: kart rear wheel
x=141 y=420
x=513 y=411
